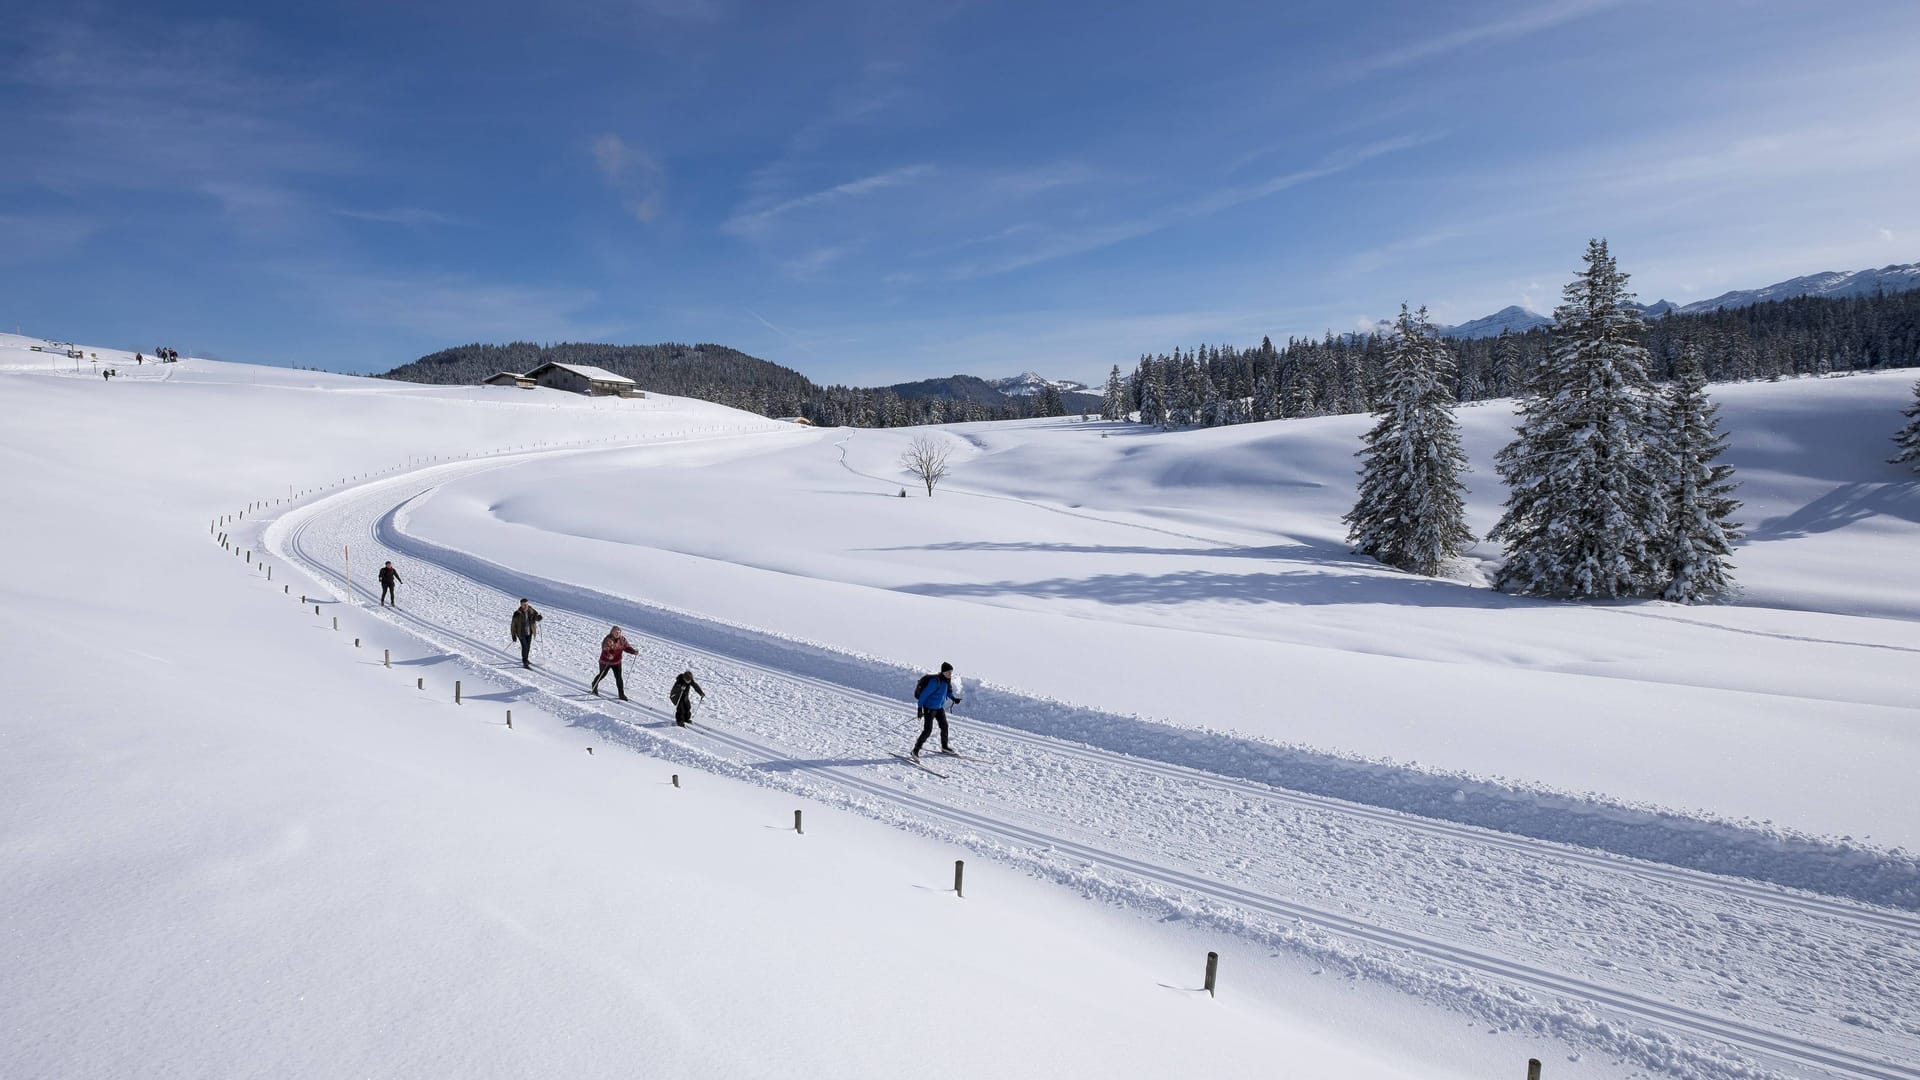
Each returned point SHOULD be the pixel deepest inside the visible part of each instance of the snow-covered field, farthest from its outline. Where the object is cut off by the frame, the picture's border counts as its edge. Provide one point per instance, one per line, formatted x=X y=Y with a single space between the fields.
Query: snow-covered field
x=231 y=843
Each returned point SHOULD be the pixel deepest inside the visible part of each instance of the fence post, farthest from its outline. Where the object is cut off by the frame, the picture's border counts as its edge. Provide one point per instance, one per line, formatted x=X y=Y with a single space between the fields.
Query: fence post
x=676 y=779
x=509 y=719
x=959 y=872
x=386 y=658
x=1213 y=969
x=456 y=691
x=796 y=822
x=420 y=683
x=1533 y=1069
x=356 y=643
x=336 y=619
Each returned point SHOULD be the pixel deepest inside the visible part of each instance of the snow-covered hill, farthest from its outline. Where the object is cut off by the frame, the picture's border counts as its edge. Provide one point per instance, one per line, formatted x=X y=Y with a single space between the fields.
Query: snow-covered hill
x=1432 y=830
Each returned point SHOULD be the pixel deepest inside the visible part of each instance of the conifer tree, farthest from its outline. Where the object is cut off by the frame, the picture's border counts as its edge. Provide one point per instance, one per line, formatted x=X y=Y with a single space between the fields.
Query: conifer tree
x=1503 y=370
x=1411 y=513
x=1699 y=542
x=1114 y=405
x=1153 y=397
x=1909 y=437
x=1586 y=478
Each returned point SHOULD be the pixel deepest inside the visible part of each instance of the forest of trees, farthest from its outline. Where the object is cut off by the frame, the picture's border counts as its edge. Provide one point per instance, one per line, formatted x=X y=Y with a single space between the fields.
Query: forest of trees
x=1224 y=384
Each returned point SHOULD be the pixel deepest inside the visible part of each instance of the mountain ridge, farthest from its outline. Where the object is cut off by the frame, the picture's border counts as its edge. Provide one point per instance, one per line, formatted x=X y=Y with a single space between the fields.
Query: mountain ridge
x=1894 y=277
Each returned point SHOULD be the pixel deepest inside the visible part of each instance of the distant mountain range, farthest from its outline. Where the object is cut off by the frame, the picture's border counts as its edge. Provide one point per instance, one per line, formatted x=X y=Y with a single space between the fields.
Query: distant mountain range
x=1833 y=283
x=995 y=392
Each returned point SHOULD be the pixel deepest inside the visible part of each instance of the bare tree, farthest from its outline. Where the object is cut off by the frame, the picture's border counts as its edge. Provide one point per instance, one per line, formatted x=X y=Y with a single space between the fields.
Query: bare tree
x=926 y=458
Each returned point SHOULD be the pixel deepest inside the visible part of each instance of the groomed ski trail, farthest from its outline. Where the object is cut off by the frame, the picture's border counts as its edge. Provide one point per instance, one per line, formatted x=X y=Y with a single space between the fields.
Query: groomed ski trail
x=1687 y=973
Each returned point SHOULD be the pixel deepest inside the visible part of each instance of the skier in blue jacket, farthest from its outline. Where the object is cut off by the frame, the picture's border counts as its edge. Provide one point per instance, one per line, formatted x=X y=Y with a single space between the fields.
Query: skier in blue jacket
x=933 y=695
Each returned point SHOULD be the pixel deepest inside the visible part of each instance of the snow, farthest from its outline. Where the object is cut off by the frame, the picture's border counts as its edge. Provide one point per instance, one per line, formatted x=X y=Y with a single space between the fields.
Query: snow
x=597 y=374
x=232 y=844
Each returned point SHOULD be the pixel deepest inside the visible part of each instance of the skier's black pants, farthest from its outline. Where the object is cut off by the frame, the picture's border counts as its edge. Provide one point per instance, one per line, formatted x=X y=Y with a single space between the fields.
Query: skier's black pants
x=386 y=596
x=619 y=681
x=927 y=717
x=526 y=649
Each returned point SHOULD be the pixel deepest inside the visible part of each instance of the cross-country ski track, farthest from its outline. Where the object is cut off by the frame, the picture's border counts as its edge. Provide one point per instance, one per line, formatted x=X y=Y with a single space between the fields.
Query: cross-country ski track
x=1684 y=972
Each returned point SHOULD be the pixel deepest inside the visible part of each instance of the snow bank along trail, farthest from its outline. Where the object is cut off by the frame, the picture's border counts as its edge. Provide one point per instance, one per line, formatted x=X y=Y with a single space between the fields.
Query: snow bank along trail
x=1683 y=972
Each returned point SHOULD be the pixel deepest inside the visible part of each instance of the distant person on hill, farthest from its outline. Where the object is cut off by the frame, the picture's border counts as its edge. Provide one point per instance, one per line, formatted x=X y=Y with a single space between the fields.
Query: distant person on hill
x=139 y=360
x=933 y=694
x=613 y=653
x=525 y=619
x=683 y=701
x=389 y=577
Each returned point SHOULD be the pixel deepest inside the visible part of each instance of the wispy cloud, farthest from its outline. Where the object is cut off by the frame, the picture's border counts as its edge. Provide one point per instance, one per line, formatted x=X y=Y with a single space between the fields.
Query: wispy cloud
x=1059 y=244
x=190 y=107
x=1515 y=24
x=783 y=334
x=449 y=307
x=636 y=177
x=747 y=223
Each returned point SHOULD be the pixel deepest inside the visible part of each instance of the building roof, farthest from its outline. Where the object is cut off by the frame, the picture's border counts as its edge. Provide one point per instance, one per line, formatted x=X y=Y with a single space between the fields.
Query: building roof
x=585 y=370
x=505 y=375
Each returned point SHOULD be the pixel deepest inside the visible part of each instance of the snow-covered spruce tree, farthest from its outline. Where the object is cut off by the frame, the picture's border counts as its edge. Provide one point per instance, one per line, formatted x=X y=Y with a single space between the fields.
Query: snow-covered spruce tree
x=1587 y=476
x=1699 y=541
x=1909 y=437
x=1153 y=398
x=1410 y=513
x=1114 y=405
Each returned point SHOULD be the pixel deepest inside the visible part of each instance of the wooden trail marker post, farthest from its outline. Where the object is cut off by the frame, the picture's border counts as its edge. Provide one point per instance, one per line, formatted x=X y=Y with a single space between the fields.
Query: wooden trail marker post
x=959 y=875
x=1533 y=1069
x=1213 y=969
x=796 y=823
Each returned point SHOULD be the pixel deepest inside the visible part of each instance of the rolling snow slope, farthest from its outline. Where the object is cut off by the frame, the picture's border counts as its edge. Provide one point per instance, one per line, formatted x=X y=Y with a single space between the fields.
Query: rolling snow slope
x=318 y=869
x=231 y=844
x=1201 y=578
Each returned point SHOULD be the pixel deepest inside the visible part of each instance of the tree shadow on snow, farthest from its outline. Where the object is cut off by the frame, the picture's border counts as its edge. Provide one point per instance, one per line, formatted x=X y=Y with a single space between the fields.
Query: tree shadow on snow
x=1844 y=505
x=1299 y=549
x=1304 y=588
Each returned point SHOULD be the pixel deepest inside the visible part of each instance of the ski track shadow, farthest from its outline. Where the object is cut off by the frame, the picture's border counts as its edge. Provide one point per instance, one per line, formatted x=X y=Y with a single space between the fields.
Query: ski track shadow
x=1750 y=850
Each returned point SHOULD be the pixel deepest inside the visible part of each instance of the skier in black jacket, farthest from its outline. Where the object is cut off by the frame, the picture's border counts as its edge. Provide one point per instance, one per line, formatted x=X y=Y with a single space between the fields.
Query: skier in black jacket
x=389 y=577
x=682 y=701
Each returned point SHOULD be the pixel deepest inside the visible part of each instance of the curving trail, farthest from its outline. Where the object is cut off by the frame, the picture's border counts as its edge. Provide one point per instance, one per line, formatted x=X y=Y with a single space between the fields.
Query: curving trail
x=1682 y=972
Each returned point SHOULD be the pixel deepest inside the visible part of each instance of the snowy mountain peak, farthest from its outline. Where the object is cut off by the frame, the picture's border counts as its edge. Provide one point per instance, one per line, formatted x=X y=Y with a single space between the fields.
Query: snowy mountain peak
x=1512 y=318
x=1028 y=383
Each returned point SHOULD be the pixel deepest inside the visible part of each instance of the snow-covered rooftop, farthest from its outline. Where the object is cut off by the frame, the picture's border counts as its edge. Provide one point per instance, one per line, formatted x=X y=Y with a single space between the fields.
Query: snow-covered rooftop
x=597 y=374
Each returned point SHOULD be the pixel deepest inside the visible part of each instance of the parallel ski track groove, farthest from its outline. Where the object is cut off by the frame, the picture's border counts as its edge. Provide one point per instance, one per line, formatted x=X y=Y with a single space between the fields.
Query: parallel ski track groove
x=1725 y=1030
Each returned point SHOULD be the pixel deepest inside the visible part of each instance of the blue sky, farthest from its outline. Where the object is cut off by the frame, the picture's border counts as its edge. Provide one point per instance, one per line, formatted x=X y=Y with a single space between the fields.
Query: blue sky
x=878 y=191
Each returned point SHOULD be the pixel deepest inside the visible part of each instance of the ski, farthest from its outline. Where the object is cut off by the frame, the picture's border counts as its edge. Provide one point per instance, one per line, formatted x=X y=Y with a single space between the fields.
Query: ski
x=922 y=767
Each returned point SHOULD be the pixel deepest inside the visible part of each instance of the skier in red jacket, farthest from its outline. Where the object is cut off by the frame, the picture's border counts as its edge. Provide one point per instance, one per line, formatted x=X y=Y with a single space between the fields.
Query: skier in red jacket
x=613 y=652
